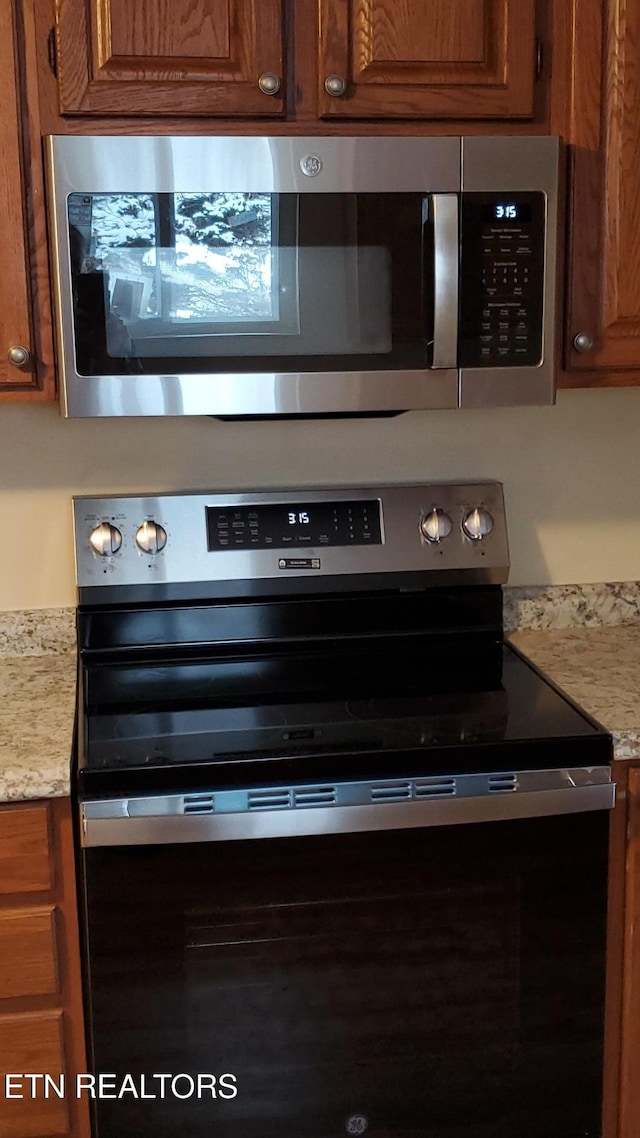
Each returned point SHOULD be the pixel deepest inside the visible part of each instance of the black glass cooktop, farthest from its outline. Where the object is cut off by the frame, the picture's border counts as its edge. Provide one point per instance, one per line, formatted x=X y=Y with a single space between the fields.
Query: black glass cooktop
x=178 y=739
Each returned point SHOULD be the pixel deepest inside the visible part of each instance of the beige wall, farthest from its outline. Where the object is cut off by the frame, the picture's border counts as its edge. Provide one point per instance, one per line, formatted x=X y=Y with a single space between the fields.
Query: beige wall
x=571 y=476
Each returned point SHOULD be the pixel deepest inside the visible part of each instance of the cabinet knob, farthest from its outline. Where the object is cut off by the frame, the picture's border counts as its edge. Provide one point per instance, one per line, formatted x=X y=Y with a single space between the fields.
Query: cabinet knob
x=583 y=342
x=335 y=85
x=269 y=83
x=18 y=355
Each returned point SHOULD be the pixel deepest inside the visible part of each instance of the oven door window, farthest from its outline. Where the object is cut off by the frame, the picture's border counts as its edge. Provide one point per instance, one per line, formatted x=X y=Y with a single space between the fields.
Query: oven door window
x=445 y=982
x=235 y=282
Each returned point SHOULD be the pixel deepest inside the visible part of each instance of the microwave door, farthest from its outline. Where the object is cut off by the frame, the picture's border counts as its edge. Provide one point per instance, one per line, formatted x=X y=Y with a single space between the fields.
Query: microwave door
x=440 y=211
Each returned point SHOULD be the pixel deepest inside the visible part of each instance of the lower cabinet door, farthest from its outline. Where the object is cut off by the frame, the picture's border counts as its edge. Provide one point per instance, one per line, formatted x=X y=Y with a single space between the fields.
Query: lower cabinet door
x=28 y=953
x=32 y=1044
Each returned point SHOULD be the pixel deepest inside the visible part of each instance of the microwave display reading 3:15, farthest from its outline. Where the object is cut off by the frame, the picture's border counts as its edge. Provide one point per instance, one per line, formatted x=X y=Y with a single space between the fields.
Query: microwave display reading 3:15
x=287 y=525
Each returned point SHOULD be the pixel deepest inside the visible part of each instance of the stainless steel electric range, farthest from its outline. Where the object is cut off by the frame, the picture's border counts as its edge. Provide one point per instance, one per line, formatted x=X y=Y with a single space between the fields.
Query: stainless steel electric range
x=343 y=851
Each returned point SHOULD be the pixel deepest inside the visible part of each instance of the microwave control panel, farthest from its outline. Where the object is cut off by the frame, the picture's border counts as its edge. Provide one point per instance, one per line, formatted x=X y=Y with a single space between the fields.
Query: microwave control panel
x=502 y=279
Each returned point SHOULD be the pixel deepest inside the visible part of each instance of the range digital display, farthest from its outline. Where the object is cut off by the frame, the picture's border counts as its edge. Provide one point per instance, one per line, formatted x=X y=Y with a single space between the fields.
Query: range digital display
x=289 y=525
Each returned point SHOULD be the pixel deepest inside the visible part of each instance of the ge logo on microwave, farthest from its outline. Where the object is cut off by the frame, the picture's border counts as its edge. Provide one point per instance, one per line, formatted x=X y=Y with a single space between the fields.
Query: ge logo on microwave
x=311 y=165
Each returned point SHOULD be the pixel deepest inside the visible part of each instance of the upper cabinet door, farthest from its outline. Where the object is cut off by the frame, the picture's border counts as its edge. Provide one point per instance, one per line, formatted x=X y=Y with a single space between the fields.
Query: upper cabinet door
x=603 y=322
x=170 y=57
x=441 y=59
x=17 y=353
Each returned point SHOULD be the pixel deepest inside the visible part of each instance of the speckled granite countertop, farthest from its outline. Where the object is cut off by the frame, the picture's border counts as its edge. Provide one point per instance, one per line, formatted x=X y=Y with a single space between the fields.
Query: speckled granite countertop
x=36 y=725
x=600 y=669
x=586 y=639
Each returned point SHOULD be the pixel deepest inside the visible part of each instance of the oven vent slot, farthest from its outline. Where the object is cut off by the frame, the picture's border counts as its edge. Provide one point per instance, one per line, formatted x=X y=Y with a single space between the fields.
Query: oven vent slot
x=199 y=804
x=314 y=796
x=279 y=799
x=391 y=792
x=435 y=787
x=502 y=783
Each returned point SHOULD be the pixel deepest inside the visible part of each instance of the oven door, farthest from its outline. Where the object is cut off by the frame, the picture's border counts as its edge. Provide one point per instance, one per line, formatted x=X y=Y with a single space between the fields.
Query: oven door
x=237 y=277
x=439 y=980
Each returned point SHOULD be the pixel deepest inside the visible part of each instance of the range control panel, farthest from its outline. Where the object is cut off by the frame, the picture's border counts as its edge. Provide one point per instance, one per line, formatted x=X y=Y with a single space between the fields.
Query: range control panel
x=502 y=275
x=293 y=524
x=292 y=534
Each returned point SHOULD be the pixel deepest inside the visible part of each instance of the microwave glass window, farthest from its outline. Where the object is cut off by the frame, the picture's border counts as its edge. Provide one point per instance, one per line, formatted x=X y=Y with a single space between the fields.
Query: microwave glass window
x=223 y=266
x=230 y=282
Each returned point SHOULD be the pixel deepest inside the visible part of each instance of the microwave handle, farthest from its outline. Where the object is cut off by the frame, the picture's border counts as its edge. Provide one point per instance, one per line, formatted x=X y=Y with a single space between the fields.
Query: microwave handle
x=446 y=257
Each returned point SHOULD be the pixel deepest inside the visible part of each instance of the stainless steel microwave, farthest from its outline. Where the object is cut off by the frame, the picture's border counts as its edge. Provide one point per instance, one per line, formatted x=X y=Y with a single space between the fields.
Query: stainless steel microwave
x=246 y=276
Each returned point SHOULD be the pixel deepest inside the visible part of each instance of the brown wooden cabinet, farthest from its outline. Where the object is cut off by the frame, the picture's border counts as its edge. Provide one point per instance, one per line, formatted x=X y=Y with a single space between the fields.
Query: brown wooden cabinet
x=339 y=66
x=470 y=59
x=381 y=59
x=601 y=121
x=26 y=370
x=170 y=57
x=41 y=1015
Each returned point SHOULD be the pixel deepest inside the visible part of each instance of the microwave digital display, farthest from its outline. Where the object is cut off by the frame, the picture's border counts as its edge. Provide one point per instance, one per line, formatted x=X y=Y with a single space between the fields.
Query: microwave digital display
x=505 y=211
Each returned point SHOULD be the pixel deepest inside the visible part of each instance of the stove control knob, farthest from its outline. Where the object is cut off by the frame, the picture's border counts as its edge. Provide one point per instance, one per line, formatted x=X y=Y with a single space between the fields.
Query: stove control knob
x=151 y=537
x=477 y=524
x=105 y=539
x=436 y=525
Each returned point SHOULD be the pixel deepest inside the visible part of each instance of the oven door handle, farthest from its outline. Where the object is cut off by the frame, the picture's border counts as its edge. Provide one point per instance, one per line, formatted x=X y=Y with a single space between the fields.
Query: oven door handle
x=282 y=812
x=446 y=258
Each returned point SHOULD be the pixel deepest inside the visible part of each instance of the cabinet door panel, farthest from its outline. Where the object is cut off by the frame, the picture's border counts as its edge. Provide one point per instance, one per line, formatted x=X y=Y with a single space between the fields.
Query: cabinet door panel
x=31 y=1045
x=406 y=58
x=25 y=854
x=28 y=952
x=15 y=299
x=168 y=57
x=604 y=259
